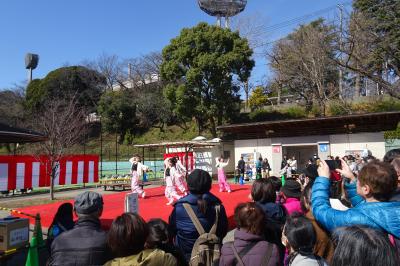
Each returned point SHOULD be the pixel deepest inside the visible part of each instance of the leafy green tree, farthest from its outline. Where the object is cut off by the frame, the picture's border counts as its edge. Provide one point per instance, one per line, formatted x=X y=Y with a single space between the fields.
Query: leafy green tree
x=118 y=112
x=11 y=107
x=258 y=98
x=203 y=67
x=75 y=81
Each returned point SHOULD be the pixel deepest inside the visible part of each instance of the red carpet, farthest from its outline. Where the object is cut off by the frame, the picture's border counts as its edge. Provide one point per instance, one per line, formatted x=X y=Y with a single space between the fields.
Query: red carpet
x=153 y=206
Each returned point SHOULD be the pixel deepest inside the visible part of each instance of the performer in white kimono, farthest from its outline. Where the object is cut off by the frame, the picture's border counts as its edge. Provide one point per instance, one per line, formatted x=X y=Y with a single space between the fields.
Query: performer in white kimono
x=293 y=164
x=223 y=184
x=170 y=191
x=178 y=172
x=137 y=169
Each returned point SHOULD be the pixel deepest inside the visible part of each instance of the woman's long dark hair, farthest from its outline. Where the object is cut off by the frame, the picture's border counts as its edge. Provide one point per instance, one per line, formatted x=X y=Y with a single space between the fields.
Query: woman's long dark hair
x=127 y=235
x=263 y=191
x=64 y=216
x=160 y=237
x=305 y=198
x=362 y=246
x=158 y=234
x=202 y=204
x=301 y=236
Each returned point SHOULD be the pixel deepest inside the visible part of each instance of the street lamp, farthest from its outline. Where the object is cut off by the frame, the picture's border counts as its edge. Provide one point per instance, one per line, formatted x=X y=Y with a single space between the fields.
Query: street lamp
x=116 y=145
x=31 y=62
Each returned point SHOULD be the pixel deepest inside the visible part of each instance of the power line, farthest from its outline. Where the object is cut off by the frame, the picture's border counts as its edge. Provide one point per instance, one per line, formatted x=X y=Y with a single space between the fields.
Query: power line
x=297 y=20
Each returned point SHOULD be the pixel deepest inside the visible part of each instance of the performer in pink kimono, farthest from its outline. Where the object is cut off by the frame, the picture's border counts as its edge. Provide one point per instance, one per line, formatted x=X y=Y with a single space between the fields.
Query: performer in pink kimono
x=137 y=169
x=178 y=172
x=170 y=191
x=223 y=184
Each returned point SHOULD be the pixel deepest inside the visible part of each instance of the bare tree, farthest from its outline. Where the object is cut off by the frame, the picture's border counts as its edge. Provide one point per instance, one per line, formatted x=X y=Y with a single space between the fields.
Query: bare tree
x=110 y=66
x=63 y=121
x=370 y=54
x=253 y=28
x=152 y=63
x=303 y=63
x=144 y=71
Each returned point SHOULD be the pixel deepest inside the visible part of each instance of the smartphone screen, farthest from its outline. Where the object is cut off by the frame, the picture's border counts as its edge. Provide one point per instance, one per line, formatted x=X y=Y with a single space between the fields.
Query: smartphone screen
x=334 y=164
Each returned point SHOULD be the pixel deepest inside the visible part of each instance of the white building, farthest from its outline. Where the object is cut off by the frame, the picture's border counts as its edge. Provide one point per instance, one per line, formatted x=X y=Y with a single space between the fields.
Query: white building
x=302 y=138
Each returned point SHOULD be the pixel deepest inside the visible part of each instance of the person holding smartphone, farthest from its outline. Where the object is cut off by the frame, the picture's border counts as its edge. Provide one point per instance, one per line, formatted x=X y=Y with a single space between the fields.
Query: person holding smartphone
x=369 y=195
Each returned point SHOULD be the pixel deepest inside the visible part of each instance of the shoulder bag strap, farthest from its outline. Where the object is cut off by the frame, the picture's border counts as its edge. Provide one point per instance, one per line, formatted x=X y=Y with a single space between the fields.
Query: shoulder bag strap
x=62 y=227
x=267 y=255
x=238 y=258
x=243 y=252
x=194 y=219
x=215 y=225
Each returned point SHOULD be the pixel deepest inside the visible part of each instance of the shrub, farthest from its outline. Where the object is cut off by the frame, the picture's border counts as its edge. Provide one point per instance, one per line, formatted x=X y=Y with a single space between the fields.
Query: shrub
x=295 y=112
x=270 y=115
x=386 y=106
x=338 y=108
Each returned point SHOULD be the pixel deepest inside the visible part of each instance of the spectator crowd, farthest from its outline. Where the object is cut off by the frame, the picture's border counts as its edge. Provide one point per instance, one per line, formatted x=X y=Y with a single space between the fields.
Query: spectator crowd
x=348 y=214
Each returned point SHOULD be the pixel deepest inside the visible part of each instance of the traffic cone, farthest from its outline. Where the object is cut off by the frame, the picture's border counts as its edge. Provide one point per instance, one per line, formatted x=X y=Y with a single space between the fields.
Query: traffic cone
x=36 y=241
x=38 y=230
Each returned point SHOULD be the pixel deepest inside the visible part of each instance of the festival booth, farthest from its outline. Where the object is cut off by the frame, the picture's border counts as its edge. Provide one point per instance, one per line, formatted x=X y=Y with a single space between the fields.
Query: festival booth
x=198 y=153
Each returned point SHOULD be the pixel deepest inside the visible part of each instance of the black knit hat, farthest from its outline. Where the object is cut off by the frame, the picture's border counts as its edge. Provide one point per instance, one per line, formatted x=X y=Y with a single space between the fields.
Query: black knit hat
x=199 y=181
x=292 y=189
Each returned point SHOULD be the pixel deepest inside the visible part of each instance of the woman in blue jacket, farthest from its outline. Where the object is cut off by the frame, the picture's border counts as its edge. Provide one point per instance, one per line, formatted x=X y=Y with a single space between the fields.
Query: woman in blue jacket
x=369 y=196
x=203 y=204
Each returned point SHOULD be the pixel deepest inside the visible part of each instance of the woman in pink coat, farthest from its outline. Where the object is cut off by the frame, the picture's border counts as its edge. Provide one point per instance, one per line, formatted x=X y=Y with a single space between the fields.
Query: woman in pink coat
x=223 y=184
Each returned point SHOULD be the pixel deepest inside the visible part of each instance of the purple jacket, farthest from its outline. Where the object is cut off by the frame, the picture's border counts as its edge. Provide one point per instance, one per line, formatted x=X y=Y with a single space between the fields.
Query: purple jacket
x=254 y=256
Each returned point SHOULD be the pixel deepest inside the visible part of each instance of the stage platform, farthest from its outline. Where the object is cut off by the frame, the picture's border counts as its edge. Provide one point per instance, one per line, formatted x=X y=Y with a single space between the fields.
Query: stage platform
x=153 y=206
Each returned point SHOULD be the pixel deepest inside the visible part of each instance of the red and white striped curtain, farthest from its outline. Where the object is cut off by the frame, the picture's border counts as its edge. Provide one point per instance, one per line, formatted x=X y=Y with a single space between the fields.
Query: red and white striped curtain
x=26 y=171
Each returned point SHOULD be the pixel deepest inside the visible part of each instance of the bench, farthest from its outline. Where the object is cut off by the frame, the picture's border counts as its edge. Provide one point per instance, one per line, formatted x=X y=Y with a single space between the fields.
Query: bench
x=122 y=183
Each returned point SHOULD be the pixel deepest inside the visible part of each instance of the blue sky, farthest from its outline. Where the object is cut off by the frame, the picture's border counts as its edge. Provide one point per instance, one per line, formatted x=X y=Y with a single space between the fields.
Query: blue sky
x=70 y=31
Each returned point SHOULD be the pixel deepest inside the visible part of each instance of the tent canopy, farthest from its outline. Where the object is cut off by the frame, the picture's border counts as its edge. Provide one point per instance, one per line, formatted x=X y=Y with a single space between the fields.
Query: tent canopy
x=9 y=134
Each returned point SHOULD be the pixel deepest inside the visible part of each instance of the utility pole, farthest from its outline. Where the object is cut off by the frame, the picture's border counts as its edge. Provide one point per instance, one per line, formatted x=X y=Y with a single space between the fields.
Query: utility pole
x=340 y=6
x=227 y=24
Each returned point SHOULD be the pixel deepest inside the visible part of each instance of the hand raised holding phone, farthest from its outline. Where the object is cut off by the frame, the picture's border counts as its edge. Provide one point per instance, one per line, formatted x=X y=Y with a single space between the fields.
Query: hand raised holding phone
x=345 y=170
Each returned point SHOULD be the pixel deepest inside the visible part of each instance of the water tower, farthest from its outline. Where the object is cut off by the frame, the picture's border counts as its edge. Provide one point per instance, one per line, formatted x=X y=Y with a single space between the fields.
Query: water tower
x=222 y=8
